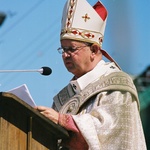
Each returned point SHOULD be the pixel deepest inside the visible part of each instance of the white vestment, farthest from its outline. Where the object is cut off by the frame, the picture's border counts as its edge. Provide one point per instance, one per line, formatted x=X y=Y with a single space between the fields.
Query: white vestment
x=110 y=119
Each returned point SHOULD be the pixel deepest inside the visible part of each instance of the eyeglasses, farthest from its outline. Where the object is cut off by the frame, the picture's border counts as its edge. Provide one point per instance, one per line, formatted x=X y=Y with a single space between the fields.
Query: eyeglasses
x=63 y=50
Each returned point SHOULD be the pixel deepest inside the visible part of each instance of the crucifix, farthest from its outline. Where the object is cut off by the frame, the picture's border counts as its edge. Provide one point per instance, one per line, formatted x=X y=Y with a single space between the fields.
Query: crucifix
x=86 y=17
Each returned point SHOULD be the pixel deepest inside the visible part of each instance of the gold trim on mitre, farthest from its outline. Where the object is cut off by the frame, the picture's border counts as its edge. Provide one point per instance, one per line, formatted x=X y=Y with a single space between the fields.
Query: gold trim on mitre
x=74 y=33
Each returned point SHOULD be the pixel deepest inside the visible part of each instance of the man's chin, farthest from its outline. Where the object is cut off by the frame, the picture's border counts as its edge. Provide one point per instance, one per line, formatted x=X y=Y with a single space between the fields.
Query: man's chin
x=71 y=69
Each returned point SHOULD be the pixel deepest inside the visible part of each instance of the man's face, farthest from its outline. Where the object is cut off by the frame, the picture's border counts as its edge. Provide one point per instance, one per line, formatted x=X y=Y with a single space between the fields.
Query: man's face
x=77 y=60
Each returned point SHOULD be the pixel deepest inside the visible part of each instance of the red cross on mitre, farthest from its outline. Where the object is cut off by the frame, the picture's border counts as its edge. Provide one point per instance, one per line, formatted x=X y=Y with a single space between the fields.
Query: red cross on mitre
x=85 y=17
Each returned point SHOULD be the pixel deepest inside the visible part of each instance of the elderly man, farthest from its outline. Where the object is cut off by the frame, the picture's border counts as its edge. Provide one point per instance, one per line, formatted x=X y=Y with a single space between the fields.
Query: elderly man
x=99 y=107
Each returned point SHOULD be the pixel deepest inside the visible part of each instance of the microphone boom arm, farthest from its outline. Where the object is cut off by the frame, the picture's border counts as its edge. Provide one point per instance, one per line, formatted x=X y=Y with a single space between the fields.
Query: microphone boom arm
x=43 y=71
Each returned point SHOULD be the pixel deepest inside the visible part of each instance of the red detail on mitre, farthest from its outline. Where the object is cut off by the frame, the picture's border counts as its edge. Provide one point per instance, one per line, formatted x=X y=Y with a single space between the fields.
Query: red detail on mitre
x=74 y=32
x=70 y=11
x=89 y=35
x=101 y=10
x=68 y=24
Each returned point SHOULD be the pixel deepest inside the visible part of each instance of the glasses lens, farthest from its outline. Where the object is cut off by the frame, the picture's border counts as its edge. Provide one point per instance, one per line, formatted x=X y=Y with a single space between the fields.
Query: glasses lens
x=60 y=50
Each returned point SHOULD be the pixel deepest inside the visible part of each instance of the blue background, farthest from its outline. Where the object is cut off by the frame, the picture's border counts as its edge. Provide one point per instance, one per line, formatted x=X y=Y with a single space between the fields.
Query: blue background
x=29 y=38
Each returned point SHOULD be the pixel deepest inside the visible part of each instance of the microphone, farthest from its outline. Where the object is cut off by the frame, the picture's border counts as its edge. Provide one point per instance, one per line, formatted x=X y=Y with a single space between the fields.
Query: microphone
x=43 y=70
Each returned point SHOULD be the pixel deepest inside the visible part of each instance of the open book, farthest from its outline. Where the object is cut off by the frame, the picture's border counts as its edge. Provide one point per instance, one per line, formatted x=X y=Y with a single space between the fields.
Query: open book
x=23 y=93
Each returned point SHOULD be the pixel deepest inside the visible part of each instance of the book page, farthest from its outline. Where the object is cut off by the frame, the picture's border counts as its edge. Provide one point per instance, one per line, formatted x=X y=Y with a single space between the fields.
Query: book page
x=23 y=93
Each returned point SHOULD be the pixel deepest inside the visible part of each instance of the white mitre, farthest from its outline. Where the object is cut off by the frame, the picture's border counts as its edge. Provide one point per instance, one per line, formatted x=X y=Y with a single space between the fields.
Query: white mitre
x=82 y=22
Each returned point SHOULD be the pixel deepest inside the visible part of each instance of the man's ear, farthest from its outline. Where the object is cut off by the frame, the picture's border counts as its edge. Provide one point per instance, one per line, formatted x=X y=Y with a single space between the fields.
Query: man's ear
x=95 y=49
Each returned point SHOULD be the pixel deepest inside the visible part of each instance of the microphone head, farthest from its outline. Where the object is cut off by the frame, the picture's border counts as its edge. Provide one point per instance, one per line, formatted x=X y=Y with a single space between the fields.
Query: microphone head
x=46 y=71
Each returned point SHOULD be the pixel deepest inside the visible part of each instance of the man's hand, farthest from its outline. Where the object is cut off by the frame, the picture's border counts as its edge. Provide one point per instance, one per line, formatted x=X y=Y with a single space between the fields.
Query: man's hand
x=49 y=113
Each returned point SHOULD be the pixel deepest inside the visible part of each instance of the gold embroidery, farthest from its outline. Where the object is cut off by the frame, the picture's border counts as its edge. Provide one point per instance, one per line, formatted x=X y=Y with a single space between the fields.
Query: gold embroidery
x=70 y=13
x=85 y=17
x=84 y=34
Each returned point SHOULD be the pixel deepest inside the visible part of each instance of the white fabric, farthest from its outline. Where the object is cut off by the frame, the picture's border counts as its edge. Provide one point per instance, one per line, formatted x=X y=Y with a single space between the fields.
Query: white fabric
x=113 y=125
x=114 y=121
x=102 y=68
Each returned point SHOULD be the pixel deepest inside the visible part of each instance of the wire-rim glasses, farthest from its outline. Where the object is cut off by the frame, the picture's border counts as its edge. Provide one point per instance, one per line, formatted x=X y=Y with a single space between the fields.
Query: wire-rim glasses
x=70 y=49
